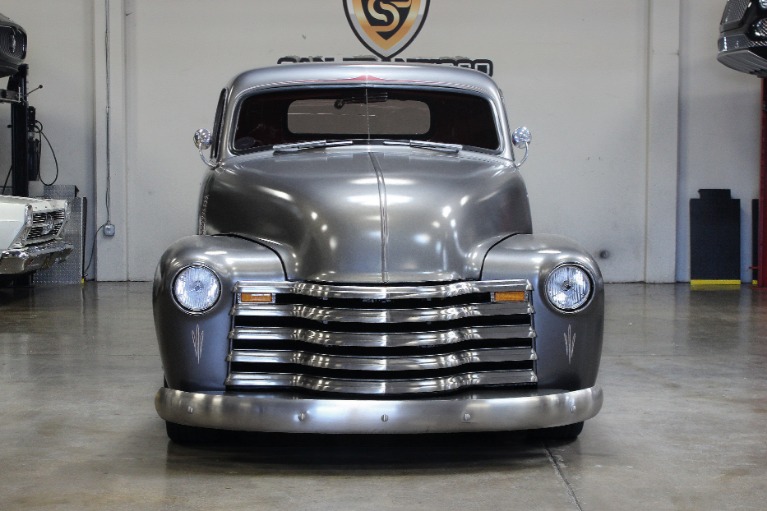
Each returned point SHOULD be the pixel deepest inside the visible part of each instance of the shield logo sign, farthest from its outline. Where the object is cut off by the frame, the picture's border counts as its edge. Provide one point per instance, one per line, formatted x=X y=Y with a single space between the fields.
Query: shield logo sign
x=386 y=27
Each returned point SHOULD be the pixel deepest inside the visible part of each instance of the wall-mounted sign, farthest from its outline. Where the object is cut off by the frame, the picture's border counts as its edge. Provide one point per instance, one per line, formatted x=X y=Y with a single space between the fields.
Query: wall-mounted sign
x=386 y=27
x=482 y=65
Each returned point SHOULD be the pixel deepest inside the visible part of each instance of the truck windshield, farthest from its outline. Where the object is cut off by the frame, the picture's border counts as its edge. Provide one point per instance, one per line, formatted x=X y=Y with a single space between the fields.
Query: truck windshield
x=368 y=114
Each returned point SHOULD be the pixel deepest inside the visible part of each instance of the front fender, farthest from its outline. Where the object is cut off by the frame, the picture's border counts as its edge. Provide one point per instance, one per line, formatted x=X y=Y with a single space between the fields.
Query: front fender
x=194 y=347
x=533 y=257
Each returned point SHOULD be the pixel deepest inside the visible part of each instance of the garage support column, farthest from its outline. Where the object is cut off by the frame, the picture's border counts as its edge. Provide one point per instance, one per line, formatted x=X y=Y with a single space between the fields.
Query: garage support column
x=110 y=199
x=662 y=140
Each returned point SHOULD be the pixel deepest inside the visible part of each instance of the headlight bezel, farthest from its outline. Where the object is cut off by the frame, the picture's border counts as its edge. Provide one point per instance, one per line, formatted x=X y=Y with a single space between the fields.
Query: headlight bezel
x=183 y=301
x=580 y=304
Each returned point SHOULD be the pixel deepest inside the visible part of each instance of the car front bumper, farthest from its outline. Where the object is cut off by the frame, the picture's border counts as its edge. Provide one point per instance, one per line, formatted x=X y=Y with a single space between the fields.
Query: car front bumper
x=486 y=411
x=737 y=51
x=34 y=257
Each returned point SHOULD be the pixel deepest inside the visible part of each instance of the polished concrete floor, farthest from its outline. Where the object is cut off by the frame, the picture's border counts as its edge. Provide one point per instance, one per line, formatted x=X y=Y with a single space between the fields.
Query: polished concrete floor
x=684 y=425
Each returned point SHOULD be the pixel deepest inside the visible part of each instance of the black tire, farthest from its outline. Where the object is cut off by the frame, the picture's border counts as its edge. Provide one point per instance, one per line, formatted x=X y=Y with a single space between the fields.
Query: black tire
x=182 y=434
x=561 y=433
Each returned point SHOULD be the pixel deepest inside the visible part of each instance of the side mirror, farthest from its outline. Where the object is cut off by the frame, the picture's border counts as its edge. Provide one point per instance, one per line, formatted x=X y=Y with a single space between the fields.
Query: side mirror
x=521 y=138
x=203 y=140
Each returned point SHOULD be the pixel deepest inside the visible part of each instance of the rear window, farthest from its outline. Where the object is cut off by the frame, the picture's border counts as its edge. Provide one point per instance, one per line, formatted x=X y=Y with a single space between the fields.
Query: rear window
x=366 y=114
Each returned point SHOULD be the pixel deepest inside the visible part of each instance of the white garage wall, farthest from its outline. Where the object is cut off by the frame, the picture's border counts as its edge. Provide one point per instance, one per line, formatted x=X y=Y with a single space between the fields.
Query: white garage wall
x=630 y=111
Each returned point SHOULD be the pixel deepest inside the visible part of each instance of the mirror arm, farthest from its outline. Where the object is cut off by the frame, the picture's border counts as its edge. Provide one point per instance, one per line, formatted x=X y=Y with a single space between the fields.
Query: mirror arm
x=514 y=161
x=207 y=161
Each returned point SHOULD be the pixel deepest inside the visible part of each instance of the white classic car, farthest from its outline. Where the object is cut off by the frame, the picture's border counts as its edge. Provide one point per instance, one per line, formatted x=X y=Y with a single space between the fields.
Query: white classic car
x=30 y=234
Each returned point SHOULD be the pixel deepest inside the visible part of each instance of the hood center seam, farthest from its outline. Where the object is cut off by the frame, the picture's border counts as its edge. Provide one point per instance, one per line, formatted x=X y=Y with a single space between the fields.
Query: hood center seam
x=384 y=216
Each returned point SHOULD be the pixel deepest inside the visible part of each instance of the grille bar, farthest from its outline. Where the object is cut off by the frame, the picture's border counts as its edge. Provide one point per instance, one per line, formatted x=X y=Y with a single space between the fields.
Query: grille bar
x=422 y=292
x=343 y=315
x=391 y=363
x=382 y=386
x=383 y=340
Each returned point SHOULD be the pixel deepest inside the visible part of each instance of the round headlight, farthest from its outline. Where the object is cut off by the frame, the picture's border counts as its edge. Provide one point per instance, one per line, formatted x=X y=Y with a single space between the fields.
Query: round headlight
x=568 y=287
x=196 y=288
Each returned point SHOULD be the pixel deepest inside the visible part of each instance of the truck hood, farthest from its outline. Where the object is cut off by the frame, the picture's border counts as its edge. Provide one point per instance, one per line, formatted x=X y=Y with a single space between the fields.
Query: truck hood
x=353 y=215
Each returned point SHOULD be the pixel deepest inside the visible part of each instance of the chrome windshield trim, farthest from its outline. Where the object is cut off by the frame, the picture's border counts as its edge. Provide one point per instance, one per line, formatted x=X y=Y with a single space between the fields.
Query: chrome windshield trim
x=501 y=410
x=381 y=387
x=381 y=340
x=393 y=363
x=383 y=292
x=345 y=315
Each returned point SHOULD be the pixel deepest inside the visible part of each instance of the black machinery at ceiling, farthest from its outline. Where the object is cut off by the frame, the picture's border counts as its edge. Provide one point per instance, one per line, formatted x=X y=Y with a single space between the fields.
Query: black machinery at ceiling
x=24 y=153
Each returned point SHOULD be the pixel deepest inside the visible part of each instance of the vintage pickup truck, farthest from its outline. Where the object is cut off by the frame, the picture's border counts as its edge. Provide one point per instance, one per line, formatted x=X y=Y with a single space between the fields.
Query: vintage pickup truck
x=365 y=263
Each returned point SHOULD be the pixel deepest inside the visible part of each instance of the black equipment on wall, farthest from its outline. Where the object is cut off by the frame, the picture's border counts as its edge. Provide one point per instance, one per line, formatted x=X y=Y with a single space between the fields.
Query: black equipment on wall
x=21 y=130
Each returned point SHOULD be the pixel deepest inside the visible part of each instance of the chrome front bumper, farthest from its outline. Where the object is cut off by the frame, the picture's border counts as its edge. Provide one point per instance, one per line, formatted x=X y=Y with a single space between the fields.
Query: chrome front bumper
x=486 y=411
x=33 y=257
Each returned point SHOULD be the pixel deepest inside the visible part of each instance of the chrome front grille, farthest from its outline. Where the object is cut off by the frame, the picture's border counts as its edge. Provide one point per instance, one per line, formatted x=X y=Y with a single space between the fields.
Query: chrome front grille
x=381 y=340
x=46 y=226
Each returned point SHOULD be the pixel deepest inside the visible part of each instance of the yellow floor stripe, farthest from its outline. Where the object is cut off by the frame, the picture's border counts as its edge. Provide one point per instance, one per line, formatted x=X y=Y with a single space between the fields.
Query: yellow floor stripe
x=714 y=284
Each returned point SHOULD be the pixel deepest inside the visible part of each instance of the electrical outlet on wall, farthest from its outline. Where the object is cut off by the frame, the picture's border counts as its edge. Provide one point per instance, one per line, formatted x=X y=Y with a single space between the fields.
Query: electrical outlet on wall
x=109 y=230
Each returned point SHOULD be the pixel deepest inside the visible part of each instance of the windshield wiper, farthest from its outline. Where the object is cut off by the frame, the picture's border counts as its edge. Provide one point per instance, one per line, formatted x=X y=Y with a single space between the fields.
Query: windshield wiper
x=425 y=144
x=311 y=144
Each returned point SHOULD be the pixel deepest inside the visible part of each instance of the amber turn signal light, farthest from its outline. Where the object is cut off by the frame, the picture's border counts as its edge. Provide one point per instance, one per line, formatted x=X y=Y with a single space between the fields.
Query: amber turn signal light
x=509 y=296
x=256 y=298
